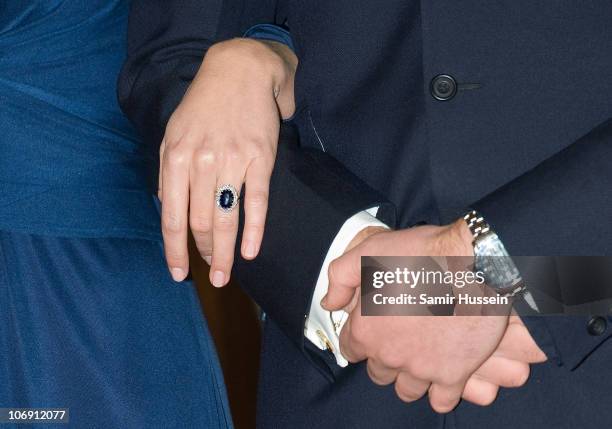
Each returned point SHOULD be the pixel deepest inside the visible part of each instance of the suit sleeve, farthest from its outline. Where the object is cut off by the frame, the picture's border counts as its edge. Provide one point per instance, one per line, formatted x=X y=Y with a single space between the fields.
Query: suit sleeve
x=167 y=40
x=561 y=207
x=311 y=194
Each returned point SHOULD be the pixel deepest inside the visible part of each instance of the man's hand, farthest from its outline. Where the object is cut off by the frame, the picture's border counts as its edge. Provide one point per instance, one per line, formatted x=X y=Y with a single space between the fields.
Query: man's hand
x=345 y=271
x=507 y=367
x=445 y=356
x=224 y=132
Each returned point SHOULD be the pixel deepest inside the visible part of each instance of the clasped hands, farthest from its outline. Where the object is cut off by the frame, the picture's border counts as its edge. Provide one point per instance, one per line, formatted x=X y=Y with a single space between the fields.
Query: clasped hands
x=446 y=357
x=225 y=132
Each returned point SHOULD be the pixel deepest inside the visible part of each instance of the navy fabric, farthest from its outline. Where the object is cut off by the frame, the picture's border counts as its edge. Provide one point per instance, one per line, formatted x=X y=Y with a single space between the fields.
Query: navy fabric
x=294 y=394
x=71 y=163
x=89 y=317
x=271 y=32
x=526 y=139
x=96 y=325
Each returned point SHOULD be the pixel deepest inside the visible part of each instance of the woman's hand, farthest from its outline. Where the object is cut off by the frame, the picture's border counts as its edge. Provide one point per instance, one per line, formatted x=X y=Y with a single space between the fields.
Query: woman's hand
x=224 y=132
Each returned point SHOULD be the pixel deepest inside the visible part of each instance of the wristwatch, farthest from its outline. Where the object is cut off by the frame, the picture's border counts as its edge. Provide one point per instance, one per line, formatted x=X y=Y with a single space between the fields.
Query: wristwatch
x=492 y=259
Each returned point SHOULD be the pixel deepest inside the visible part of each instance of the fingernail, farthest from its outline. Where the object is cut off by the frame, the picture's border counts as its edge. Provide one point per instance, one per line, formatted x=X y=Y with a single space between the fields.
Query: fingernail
x=218 y=279
x=208 y=260
x=178 y=274
x=250 y=250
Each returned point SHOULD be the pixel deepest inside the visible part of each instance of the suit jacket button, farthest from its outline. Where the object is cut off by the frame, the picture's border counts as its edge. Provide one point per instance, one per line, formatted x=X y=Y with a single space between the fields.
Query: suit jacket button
x=443 y=87
x=597 y=325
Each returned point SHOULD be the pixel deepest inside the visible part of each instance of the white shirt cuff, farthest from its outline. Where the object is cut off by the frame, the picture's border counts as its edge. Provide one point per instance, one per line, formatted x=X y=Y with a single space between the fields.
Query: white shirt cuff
x=323 y=327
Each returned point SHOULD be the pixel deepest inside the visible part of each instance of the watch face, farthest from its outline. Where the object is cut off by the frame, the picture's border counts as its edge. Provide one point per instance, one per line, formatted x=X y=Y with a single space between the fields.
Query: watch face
x=492 y=259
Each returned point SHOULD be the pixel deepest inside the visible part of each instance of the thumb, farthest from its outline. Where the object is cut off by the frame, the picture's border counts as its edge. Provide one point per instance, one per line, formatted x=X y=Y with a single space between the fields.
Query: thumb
x=517 y=344
x=344 y=275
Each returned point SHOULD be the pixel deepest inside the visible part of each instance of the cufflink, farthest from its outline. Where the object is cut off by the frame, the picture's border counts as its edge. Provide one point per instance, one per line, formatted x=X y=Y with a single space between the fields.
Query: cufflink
x=325 y=340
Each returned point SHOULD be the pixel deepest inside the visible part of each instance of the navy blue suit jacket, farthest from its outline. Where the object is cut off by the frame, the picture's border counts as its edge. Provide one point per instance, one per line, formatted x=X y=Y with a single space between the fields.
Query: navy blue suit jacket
x=526 y=139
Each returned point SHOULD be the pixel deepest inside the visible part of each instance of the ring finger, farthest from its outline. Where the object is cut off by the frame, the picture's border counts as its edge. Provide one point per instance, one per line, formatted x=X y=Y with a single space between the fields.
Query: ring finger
x=225 y=228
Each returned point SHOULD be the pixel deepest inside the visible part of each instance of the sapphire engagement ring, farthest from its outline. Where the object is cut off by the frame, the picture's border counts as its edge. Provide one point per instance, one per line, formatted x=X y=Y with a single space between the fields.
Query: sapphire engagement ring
x=226 y=198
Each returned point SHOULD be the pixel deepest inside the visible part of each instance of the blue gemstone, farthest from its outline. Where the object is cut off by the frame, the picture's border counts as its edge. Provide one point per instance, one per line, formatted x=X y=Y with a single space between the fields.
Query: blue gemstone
x=226 y=199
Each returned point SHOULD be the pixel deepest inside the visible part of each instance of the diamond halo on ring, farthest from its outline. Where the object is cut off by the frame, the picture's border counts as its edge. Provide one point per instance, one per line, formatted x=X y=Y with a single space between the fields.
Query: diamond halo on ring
x=226 y=198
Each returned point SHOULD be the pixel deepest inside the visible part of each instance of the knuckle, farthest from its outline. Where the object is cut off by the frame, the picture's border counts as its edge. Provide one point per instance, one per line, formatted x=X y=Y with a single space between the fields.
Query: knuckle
x=258 y=141
x=172 y=223
x=201 y=224
x=346 y=352
x=257 y=199
x=229 y=152
x=182 y=128
x=441 y=405
x=173 y=127
x=332 y=272
x=205 y=158
x=404 y=394
x=226 y=224
x=258 y=146
x=391 y=358
x=176 y=158
x=373 y=373
x=416 y=367
x=233 y=155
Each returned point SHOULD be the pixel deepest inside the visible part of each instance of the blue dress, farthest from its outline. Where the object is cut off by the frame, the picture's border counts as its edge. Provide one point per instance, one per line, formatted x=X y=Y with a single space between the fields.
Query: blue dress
x=90 y=319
